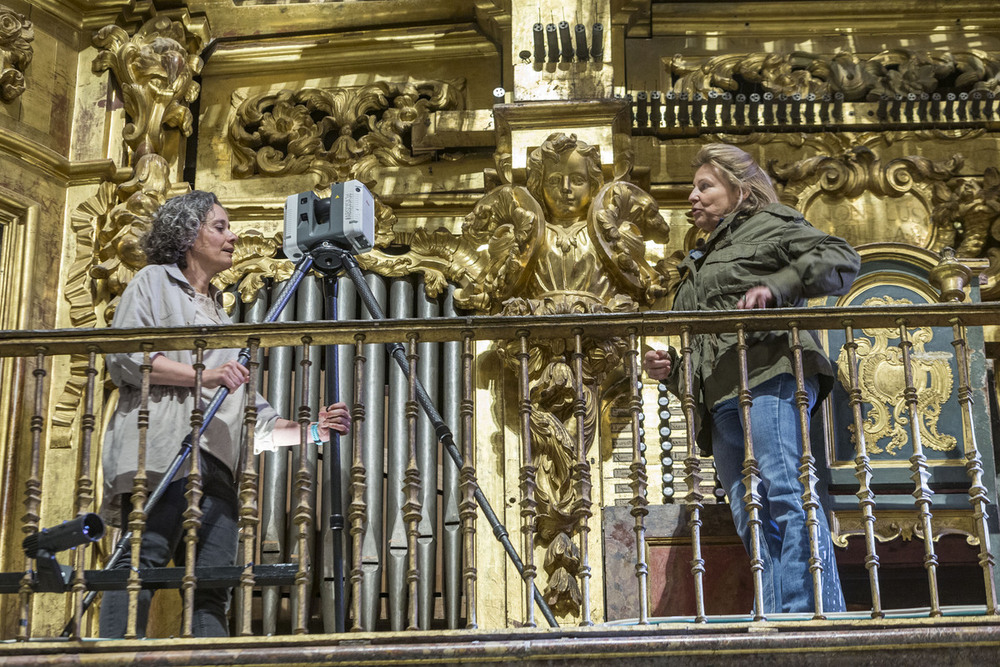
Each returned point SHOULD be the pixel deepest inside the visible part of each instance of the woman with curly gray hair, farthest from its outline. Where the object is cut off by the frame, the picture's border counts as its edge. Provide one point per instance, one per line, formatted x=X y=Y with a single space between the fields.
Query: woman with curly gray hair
x=175 y=227
x=189 y=243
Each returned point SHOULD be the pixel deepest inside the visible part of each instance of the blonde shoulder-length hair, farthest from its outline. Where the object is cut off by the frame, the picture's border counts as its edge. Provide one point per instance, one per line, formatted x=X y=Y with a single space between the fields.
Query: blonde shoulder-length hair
x=742 y=173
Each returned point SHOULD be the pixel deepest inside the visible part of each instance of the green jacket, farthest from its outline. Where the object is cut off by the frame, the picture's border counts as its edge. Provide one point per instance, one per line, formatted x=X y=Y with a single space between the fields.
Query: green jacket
x=775 y=247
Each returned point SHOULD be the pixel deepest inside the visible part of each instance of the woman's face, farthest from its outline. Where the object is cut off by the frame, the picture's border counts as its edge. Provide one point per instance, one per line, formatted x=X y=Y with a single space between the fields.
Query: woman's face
x=567 y=187
x=711 y=198
x=213 y=248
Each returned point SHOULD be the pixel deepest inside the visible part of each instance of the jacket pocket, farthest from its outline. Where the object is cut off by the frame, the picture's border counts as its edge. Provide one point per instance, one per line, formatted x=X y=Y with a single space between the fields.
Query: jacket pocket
x=729 y=272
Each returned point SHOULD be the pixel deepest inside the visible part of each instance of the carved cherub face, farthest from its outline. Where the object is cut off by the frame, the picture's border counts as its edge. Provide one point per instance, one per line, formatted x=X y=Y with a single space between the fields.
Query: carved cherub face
x=566 y=188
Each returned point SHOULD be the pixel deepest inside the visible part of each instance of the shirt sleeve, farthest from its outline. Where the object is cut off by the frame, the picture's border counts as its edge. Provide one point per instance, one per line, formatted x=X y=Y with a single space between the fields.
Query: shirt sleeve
x=267 y=417
x=818 y=265
x=139 y=307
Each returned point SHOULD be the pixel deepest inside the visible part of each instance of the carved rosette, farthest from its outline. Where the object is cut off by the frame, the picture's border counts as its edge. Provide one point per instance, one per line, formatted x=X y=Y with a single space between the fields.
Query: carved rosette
x=16 y=35
x=856 y=77
x=335 y=135
x=155 y=69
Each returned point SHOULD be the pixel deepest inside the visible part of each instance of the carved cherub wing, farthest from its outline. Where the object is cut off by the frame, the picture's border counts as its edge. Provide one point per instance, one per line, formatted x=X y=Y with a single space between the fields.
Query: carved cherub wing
x=622 y=218
x=488 y=261
x=502 y=235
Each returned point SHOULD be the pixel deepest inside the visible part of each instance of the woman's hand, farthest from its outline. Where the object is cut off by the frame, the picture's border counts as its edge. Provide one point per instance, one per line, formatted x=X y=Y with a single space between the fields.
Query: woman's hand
x=657 y=364
x=756 y=297
x=231 y=375
x=336 y=417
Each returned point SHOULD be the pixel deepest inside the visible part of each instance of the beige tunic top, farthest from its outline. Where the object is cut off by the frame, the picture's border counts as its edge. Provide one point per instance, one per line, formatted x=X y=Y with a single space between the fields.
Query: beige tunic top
x=160 y=296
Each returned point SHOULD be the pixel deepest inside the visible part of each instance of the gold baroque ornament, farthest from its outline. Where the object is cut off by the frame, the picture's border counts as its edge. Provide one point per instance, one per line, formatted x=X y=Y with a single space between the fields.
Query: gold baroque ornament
x=911 y=194
x=156 y=70
x=970 y=207
x=336 y=135
x=16 y=35
x=893 y=72
x=894 y=524
x=882 y=383
x=566 y=232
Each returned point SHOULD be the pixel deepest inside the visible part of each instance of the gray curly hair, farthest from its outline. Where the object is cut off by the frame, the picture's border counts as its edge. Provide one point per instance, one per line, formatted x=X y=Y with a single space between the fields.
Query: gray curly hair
x=175 y=227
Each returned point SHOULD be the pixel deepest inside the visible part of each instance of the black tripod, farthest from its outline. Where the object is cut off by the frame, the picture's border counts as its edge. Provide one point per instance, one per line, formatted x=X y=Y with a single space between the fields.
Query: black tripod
x=328 y=259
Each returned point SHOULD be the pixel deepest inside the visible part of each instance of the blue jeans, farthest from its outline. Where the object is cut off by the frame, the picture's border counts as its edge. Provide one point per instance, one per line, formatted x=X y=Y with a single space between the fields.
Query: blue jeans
x=774 y=418
x=162 y=540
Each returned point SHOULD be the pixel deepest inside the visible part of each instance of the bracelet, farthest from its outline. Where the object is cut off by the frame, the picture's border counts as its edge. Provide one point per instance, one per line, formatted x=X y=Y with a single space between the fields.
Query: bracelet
x=314 y=430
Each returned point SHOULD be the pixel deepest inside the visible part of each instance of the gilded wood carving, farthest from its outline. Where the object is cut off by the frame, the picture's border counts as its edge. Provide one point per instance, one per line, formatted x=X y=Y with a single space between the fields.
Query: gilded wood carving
x=881 y=379
x=922 y=202
x=855 y=77
x=336 y=135
x=16 y=35
x=155 y=70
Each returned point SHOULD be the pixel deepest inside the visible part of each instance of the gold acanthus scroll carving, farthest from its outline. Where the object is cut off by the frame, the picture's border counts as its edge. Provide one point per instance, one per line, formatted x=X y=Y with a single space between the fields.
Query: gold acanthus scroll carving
x=857 y=78
x=16 y=35
x=155 y=69
x=339 y=134
x=881 y=379
x=566 y=242
x=961 y=212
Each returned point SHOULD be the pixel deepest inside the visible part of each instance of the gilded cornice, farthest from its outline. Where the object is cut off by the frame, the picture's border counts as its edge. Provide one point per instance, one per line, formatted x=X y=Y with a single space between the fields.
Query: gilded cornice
x=91 y=14
x=494 y=17
x=231 y=21
x=891 y=73
x=57 y=166
x=851 y=16
x=345 y=50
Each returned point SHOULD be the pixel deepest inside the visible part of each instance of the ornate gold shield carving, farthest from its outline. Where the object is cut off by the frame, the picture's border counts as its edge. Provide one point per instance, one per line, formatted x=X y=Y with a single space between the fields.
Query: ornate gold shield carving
x=881 y=378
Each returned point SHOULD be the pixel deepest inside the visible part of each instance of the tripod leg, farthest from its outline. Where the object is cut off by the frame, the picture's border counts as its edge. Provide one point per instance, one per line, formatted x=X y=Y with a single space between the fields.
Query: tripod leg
x=443 y=432
x=336 y=499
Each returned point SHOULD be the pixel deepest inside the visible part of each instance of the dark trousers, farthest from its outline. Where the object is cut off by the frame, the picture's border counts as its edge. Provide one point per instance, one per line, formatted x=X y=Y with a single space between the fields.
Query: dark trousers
x=163 y=540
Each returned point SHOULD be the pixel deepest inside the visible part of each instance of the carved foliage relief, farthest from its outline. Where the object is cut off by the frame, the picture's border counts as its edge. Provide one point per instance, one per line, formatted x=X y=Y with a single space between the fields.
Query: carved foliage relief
x=336 y=135
x=922 y=202
x=16 y=35
x=155 y=69
x=855 y=77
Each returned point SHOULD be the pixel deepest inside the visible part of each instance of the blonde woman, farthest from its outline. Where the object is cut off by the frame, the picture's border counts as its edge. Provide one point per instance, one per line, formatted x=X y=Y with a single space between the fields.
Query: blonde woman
x=759 y=254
